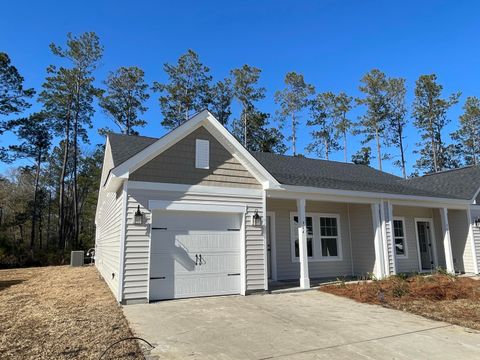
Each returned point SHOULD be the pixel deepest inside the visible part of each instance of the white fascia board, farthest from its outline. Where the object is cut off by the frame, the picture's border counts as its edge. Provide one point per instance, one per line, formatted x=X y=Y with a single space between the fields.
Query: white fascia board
x=196 y=206
x=473 y=201
x=370 y=197
x=196 y=189
x=242 y=154
x=204 y=118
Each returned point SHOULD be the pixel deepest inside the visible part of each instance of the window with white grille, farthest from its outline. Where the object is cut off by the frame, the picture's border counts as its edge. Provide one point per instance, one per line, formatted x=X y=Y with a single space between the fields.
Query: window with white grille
x=202 y=154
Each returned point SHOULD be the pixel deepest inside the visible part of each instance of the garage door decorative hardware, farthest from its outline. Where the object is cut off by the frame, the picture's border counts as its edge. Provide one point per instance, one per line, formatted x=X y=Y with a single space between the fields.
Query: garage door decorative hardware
x=198 y=259
x=233 y=229
x=234 y=274
x=158 y=278
x=159 y=228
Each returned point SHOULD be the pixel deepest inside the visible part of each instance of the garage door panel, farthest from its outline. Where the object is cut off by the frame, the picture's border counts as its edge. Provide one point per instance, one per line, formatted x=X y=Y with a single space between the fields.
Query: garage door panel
x=176 y=246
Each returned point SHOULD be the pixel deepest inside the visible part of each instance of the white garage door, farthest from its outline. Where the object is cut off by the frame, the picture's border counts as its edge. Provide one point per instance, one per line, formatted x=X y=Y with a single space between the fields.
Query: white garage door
x=194 y=254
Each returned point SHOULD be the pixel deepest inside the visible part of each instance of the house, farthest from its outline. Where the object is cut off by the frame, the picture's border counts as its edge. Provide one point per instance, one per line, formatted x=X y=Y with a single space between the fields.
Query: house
x=195 y=214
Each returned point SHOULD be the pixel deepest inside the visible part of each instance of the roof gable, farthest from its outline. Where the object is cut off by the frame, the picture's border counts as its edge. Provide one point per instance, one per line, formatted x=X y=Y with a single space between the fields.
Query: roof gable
x=206 y=119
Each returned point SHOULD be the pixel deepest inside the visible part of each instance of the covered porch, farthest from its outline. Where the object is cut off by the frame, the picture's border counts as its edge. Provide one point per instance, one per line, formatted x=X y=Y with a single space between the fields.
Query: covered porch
x=316 y=238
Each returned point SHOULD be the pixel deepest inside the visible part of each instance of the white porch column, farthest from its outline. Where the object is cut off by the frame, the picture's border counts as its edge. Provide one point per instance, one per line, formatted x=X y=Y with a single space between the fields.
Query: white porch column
x=447 y=244
x=302 y=245
x=378 y=242
x=471 y=238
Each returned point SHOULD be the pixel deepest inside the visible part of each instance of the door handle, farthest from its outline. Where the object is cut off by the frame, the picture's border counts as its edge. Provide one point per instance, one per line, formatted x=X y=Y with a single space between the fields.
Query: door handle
x=196 y=259
x=201 y=259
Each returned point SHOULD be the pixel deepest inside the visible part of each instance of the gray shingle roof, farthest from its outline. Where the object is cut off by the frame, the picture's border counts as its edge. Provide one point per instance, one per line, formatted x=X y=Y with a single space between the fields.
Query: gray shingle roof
x=462 y=183
x=288 y=170
x=126 y=146
x=302 y=171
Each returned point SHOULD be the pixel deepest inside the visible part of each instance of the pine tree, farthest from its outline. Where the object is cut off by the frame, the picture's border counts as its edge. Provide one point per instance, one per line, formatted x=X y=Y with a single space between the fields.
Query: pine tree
x=430 y=114
x=373 y=123
x=35 y=139
x=323 y=116
x=220 y=100
x=468 y=135
x=125 y=99
x=68 y=95
x=186 y=92
x=363 y=156
x=343 y=104
x=397 y=119
x=292 y=100
x=261 y=137
x=247 y=92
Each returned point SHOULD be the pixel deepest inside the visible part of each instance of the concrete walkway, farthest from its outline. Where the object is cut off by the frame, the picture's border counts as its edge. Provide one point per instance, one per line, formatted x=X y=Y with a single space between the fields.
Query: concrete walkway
x=306 y=325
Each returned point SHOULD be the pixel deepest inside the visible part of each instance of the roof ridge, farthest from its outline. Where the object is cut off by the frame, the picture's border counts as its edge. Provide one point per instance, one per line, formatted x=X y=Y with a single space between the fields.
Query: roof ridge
x=444 y=171
x=132 y=135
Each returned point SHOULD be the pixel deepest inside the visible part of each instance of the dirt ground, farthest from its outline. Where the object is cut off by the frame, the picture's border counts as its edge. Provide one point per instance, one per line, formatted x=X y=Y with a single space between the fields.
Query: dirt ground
x=455 y=300
x=60 y=313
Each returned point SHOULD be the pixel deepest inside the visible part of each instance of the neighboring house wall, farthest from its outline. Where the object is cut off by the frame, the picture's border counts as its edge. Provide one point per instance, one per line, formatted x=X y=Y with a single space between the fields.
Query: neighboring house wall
x=137 y=246
x=475 y=212
x=461 y=245
x=107 y=244
x=177 y=165
x=288 y=269
x=363 y=238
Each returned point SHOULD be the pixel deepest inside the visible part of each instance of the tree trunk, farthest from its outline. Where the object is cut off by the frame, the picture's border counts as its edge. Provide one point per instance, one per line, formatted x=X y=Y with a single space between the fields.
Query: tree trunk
x=245 y=127
x=49 y=217
x=326 y=149
x=294 y=136
x=61 y=197
x=345 y=146
x=402 y=152
x=379 y=151
x=434 y=150
x=35 y=199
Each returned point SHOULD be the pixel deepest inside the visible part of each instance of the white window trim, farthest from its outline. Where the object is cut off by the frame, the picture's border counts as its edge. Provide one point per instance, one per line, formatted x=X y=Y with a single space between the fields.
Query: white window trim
x=405 y=246
x=317 y=238
x=200 y=143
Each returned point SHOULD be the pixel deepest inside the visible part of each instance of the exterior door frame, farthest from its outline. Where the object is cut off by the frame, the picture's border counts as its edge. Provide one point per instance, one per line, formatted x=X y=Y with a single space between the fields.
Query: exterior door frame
x=273 y=247
x=432 y=239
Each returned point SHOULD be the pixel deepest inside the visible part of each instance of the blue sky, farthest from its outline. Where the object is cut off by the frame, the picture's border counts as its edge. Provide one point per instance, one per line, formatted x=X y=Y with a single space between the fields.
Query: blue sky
x=332 y=43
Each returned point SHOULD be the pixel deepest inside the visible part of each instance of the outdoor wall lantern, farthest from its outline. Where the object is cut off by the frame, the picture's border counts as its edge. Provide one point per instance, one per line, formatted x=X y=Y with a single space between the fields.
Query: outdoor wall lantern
x=256 y=219
x=477 y=222
x=138 y=216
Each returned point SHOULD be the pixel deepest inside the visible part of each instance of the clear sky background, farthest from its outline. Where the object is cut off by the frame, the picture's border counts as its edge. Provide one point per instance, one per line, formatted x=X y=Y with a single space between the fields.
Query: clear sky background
x=332 y=43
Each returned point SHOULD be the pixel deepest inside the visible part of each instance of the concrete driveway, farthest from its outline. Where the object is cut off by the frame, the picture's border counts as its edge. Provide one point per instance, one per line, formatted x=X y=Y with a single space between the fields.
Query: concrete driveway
x=306 y=325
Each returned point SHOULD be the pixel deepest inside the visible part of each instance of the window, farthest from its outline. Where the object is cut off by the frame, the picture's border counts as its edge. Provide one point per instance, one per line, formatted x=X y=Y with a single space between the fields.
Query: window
x=309 y=224
x=202 y=154
x=329 y=236
x=399 y=236
x=323 y=237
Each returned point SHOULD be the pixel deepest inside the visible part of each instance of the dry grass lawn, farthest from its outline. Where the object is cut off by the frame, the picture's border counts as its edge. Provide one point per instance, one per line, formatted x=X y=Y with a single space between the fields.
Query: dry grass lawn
x=455 y=300
x=60 y=313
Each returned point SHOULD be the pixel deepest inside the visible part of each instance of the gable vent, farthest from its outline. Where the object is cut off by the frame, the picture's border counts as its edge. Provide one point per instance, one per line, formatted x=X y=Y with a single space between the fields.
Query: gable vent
x=202 y=154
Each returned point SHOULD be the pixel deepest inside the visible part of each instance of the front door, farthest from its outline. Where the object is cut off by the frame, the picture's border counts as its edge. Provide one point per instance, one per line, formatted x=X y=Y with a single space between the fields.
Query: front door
x=425 y=245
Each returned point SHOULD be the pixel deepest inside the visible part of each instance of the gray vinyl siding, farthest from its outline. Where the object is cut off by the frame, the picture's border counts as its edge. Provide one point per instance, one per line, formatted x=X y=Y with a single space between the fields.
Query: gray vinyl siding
x=439 y=239
x=176 y=165
x=363 y=238
x=137 y=242
x=107 y=245
x=461 y=244
x=475 y=212
x=287 y=269
x=108 y=220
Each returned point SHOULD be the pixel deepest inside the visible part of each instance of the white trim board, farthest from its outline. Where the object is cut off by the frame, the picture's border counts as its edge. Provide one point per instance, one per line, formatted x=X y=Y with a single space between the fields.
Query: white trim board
x=196 y=189
x=196 y=206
